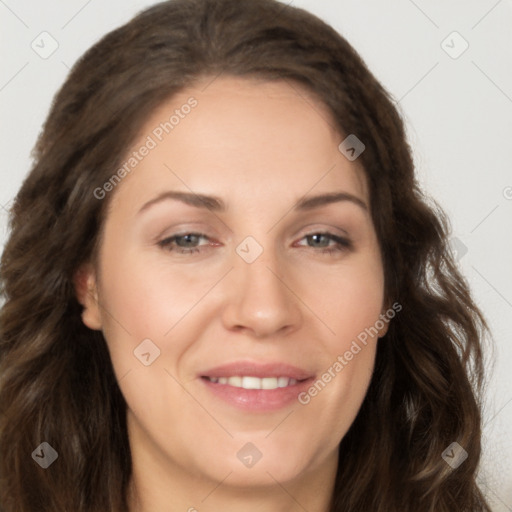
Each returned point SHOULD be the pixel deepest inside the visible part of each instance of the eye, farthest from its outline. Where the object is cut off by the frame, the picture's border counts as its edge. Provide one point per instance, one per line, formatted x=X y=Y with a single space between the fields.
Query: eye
x=186 y=243
x=328 y=243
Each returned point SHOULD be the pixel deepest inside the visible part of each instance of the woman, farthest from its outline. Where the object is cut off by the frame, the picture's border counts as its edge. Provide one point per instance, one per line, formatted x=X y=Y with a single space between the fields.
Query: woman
x=224 y=289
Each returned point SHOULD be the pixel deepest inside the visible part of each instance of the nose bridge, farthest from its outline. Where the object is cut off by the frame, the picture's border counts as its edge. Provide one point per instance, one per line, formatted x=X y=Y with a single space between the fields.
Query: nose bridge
x=259 y=297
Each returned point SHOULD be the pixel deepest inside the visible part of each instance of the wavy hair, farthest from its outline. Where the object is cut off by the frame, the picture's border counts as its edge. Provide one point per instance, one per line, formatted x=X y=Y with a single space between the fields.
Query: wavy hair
x=56 y=379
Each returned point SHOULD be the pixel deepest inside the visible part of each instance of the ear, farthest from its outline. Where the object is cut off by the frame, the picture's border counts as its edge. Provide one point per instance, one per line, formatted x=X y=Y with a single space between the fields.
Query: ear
x=87 y=294
x=384 y=329
x=383 y=323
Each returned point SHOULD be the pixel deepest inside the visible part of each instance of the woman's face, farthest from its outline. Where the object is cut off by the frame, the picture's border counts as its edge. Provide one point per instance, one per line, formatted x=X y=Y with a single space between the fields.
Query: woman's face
x=233 y=320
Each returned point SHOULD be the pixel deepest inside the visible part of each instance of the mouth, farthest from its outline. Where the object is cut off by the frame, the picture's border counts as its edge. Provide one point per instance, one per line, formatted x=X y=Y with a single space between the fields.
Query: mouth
x=255 y=386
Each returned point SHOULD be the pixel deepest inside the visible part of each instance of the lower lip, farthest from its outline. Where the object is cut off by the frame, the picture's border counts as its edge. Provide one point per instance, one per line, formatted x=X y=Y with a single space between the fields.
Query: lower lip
x=257 y=399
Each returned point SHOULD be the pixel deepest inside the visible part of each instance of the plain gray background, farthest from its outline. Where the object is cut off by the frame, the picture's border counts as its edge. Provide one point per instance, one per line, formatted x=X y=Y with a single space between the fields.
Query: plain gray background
x=456 y=101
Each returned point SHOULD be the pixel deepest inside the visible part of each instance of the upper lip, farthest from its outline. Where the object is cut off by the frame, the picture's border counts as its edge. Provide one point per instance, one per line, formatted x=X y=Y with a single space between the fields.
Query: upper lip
x=261 y=370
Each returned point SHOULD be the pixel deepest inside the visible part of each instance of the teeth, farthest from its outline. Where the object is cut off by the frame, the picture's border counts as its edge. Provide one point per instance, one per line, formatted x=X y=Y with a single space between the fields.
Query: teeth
x=235 y=381
x=247 y=382
x=282 y=382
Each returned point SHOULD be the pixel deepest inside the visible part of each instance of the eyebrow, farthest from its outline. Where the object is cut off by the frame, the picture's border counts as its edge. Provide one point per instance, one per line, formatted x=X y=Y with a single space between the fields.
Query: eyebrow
x=215 y=204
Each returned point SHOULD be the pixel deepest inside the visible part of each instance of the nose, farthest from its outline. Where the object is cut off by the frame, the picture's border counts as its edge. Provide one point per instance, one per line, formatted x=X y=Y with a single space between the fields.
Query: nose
x=260 y=299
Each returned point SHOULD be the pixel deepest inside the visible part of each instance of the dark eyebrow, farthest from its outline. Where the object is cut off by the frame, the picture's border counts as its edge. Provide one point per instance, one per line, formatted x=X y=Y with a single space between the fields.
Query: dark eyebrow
x=197 y=200
x=216 y=204
x=308 y=203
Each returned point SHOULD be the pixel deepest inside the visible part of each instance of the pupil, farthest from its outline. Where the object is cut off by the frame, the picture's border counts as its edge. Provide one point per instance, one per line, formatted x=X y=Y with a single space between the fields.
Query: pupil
x=317 y=238
x=188 y=239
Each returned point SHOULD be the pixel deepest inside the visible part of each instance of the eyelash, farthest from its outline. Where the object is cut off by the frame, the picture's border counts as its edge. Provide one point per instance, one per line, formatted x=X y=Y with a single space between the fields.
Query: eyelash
x=342 y=244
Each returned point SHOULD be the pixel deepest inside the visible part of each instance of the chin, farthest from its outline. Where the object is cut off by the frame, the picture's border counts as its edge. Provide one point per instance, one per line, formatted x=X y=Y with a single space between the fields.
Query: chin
x=258 y=463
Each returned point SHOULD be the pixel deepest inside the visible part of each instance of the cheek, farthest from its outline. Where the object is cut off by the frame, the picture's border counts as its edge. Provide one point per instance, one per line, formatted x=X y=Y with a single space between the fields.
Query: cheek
x=348 y=301
x=145 y=301
x=148 y=297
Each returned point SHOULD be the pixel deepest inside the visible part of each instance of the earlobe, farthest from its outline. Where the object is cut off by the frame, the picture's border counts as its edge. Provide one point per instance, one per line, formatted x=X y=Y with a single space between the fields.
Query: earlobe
x=382 y=323
x=383 y=331
x=87 y=294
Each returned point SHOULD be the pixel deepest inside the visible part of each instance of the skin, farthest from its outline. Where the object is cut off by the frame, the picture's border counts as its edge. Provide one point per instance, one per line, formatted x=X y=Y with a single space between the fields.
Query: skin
x=260 y=147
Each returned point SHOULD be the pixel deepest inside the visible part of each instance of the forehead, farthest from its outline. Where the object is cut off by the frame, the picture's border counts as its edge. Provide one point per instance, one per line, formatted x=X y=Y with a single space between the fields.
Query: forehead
x=269 y=135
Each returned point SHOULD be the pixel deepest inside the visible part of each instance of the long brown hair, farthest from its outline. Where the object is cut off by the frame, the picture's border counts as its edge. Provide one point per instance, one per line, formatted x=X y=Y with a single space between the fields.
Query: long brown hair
x=57 y=384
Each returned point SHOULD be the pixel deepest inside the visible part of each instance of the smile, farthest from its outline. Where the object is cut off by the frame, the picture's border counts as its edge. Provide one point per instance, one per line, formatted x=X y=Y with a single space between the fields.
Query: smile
x=256 y=386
